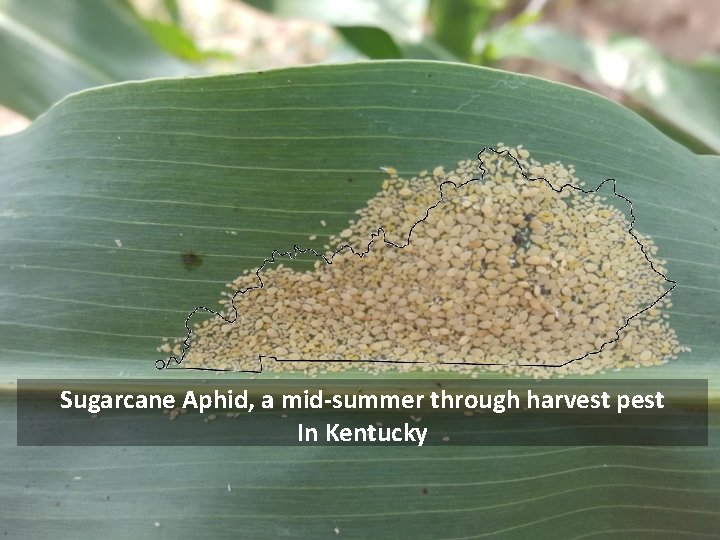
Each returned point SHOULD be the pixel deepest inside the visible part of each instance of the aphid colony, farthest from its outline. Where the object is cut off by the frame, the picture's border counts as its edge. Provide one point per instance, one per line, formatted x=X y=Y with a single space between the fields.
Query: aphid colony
x=497 y=269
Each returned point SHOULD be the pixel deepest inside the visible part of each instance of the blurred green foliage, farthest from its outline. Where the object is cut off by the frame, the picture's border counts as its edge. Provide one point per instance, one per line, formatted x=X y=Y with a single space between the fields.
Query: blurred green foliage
x=456 y=24
x=49 y=49
x=681 y=99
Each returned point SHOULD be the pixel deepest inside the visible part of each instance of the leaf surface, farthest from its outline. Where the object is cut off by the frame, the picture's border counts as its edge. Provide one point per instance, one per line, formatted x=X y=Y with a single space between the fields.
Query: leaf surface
x=103 y=195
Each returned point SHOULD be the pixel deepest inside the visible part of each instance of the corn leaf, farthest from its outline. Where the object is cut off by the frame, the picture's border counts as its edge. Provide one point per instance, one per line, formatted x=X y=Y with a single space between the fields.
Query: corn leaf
x=105 y=195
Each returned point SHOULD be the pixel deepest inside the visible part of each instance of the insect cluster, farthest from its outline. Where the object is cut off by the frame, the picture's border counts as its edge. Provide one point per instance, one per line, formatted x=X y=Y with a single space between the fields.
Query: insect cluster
x=505 y=271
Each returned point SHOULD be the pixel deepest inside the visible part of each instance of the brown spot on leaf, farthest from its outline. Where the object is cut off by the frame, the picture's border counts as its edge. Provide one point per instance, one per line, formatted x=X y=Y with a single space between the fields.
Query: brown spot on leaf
x=191 y=261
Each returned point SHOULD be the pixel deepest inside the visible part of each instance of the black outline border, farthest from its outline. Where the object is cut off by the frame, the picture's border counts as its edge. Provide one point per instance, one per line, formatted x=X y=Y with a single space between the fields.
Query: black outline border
x=165 y=364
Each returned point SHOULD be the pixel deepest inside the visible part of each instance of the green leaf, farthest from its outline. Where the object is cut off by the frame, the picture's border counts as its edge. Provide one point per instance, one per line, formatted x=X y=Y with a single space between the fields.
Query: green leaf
x=173 y=10
x=400 y=18
x=682 y=95
x=373 y=42
x=49 y=49
x=179 y=43
x=168 y=167
x=380 y=30
x=107 y=191
x=456 y=23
